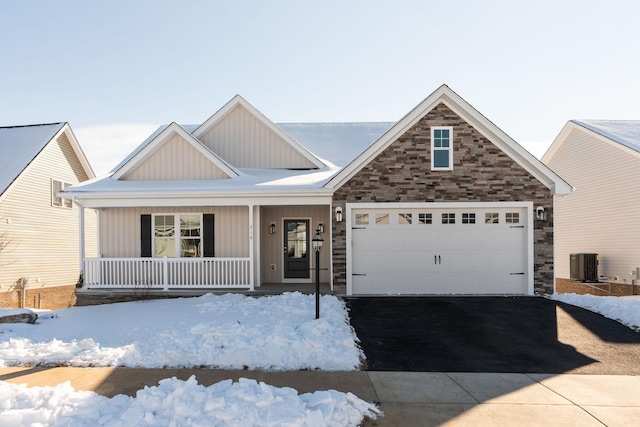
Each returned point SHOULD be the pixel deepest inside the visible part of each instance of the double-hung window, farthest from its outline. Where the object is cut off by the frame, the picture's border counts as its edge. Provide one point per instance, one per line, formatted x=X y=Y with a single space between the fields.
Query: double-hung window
x=441 y=148
x=177 y=235
x=56 y=187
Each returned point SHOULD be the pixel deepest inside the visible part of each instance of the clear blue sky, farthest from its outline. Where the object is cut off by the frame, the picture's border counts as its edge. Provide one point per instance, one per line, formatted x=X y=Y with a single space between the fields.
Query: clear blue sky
x=529 y=67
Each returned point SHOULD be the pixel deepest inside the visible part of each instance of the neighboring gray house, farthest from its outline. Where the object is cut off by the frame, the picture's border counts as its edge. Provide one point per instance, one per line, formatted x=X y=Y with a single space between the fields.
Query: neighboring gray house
x=39 y=230
x=601 y=158
x=443 y=202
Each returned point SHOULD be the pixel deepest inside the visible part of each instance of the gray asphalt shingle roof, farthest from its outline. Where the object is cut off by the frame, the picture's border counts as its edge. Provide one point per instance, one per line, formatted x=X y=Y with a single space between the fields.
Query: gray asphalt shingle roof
x=625 y=132
x=19 y=145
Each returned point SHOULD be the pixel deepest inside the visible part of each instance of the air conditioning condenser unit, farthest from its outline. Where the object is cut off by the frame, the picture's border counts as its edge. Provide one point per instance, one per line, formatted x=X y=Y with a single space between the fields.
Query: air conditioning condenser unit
x=584 y=267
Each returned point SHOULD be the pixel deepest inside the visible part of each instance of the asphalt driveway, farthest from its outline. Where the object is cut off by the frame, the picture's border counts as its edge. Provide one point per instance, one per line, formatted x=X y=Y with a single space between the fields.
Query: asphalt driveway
x=491 y=334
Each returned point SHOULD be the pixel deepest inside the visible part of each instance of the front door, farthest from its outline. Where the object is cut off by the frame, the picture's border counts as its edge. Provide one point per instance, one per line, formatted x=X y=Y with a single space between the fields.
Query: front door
x=296 y=245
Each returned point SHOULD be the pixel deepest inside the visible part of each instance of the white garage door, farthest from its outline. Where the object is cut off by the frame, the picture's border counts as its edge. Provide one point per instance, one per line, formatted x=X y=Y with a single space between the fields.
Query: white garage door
x=466 y=249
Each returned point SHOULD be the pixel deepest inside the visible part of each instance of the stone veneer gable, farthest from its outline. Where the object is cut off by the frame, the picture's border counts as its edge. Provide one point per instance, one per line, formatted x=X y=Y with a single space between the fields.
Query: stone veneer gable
x=481 y=173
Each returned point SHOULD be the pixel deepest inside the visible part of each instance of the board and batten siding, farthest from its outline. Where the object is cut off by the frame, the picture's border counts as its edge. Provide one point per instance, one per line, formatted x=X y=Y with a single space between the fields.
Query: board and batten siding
x=245 y=142
x=601 y=216
x=120 y=229
x=272 y=245
x=44 y=239
x=176 y=159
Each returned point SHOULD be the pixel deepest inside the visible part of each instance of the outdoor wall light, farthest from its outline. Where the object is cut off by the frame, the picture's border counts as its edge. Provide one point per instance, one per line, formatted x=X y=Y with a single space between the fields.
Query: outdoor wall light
x=540 y=213
x=338 y=214
x=272 y=228
x=321 y=227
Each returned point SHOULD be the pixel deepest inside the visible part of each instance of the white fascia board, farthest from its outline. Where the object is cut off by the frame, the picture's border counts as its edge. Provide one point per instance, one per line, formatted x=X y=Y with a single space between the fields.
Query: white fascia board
x=558 y=141
x=201 y=200
x=240 y=101
x=457 y=104
x=385 y=140
x=503 y=141
x=161 y=138
x=77 y=149
x=571 y=125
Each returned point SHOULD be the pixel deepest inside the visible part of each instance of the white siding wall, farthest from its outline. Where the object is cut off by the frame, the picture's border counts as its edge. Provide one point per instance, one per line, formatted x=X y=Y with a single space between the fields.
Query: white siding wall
x=602 y=215
x=245 y=142
x=44 y=239
x=176 y=159
x=272 y=245
x=120 y=230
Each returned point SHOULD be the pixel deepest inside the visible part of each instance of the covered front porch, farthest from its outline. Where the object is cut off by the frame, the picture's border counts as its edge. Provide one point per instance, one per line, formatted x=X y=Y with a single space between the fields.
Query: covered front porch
x=249 y=249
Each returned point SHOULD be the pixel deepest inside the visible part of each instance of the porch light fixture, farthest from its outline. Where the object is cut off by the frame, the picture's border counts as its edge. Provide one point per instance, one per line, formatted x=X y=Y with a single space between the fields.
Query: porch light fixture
x=272 y=228
x=321 y=227
x=316 y=243
x=338 y=214
x=540 y=213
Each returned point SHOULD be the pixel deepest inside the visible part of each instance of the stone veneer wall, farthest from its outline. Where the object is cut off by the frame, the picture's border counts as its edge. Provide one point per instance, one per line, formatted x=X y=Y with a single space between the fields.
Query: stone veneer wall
x=481 y=173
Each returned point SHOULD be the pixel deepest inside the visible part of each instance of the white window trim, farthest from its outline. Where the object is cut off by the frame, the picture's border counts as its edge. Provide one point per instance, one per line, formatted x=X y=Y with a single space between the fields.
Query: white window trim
x=176 y=237
x=450 y=149
x=64 y=203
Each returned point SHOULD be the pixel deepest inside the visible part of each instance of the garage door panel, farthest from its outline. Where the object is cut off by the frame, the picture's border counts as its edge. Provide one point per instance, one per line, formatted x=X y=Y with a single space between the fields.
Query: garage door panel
x=441 y=258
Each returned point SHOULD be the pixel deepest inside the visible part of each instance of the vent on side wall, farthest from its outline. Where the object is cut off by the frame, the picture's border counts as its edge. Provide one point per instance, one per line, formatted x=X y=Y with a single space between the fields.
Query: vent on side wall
x=584 y=267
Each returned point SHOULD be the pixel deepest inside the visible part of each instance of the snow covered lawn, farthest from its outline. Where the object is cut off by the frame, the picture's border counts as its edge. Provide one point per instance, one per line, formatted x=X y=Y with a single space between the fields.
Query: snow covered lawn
x=625 y=310
x=182 y=403
x=229 y=331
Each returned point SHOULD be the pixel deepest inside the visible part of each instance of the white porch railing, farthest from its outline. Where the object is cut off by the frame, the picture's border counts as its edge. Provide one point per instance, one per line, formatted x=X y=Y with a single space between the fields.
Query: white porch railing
x=167 y=273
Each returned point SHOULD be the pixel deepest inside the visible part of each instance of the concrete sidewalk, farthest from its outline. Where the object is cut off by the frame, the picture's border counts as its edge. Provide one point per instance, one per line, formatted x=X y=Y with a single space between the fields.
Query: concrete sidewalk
x=407 y=398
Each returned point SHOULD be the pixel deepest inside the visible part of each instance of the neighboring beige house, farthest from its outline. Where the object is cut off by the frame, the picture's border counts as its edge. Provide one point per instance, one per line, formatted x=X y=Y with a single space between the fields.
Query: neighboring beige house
x=601 y=158
x=443 y=202
x=39 y=230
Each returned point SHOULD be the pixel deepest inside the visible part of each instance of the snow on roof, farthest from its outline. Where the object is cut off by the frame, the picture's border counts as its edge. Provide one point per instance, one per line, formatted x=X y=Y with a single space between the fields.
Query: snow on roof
x=249 y=180
x=339 y=143
x=19 y=145
x=625 y=132
x=336 y=143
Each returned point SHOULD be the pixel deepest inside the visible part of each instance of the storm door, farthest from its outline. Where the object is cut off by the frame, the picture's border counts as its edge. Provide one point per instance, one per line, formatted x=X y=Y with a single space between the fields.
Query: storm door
x=296 y=245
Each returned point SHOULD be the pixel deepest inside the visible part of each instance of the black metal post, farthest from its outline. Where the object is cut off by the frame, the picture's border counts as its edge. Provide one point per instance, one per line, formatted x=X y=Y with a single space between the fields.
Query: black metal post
x=317 y=284
x=317 y=247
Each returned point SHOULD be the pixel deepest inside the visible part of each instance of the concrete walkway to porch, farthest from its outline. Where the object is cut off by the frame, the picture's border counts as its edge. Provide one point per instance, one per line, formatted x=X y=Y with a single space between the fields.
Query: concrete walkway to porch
x=407 y=398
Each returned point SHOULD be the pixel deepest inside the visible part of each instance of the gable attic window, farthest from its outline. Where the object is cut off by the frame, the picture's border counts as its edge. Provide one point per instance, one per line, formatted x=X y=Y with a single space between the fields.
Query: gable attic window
x=441 y=148
x=56 y=187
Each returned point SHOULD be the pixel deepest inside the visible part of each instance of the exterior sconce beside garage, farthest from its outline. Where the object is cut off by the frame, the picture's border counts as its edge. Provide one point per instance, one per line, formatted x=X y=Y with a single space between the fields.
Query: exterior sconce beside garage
x=338 y=214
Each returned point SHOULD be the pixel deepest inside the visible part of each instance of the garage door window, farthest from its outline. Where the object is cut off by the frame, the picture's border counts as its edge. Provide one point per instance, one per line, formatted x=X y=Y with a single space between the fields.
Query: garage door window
x=405 y=218
x=362 y=219
x=448 y=218
x=468 y=218
x=513 y=218
x=382 y=218
x=425 y=218
x=491 y=218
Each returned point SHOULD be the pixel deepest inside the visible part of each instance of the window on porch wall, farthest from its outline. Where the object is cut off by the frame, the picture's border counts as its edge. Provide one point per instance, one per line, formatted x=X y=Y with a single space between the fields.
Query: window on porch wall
x=177 y=235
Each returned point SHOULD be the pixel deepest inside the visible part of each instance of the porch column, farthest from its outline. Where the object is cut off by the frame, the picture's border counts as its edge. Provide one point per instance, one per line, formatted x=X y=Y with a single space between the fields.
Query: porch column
x=251 y=249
